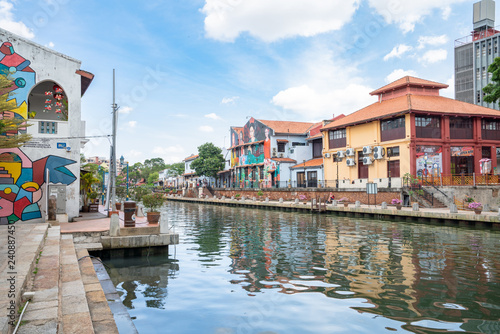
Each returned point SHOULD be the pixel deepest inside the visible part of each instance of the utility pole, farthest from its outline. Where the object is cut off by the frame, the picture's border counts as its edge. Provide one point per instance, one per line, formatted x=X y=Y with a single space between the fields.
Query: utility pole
x=112 y=159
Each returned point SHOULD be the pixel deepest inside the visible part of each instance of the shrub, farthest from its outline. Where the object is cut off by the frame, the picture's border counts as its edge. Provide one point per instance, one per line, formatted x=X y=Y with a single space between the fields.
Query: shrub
x=153 y=201
x=237 y=196
x=260 y=193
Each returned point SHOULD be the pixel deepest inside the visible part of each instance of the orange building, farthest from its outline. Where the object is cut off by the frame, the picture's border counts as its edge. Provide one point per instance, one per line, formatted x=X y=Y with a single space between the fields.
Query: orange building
x=411 y=129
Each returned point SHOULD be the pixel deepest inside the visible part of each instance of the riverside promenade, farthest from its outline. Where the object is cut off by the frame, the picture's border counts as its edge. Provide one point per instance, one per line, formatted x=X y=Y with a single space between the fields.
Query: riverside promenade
x=49 y=265
x=422 y=215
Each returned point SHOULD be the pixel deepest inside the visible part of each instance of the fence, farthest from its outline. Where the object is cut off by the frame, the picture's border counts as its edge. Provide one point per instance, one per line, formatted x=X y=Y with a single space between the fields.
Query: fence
x=461 y=180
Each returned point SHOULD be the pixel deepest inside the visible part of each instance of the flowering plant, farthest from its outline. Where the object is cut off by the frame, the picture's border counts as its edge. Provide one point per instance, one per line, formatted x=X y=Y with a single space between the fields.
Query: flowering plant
x=468 y=199
x=343 y=199
x=396 y=201
x=475 y=205
x=302 y=197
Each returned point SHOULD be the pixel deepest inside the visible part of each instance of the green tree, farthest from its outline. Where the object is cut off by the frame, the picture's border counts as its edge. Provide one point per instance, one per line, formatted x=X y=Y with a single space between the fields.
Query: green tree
x=492 y=90
x=209 y=162
x=176 y=169
x=153 y=177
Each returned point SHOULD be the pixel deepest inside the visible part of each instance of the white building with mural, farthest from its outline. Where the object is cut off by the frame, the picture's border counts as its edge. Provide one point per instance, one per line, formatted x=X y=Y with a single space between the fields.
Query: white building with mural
x=47 y=88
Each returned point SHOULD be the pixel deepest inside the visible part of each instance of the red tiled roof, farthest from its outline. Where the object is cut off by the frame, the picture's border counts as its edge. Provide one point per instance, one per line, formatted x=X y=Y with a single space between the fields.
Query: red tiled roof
x=319 y=135
x=284 y=160
x=310 y=163
x=86 y=80
x=288 y=127
x=412 y=103
x=408 y=81
x=188 y=174
x=192 y=157
x=281 y=141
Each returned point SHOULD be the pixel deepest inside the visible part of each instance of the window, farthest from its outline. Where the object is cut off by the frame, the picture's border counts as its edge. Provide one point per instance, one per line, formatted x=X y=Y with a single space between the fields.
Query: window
x=298 y=144
x=317 y=148
x=49 y=102
x=337 y=138
x=490 y=129
x=312 y=179
x=484 y=72
x=393 y=151
x=483 y=49
x=489 y=48
x=47 y=127
x=478 y=96
x=495 y=46
x=477 y=50
x=461 y=128
x=393 y=169
x=281 y=147
x=392 y=129
x=478 y=74
x=427 y=127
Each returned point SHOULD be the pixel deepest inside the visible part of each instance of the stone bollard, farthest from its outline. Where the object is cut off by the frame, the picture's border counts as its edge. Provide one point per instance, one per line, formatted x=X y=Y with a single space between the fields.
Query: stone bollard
x=114 y=226
x=357 y=204
x=281 y=200
x=415 y=207
x=243 y=198
x=232 y=198
x=498 y=212
x=453 y=208
x=335 y=202
x=254 y=199
x=164 y=223
x=296 y=201
x=215 y=196
x=223 y=198
x=267 y=199
x=314 y=201
x=384 y=205
x=486 y=208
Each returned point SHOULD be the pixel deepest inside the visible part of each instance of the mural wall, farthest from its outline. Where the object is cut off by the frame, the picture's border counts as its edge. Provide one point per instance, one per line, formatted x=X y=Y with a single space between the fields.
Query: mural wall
x=21 y=179
x=252 y=146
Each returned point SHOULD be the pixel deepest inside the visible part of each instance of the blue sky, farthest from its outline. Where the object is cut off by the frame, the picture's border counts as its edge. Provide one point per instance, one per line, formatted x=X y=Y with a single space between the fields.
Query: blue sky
x=187 y=70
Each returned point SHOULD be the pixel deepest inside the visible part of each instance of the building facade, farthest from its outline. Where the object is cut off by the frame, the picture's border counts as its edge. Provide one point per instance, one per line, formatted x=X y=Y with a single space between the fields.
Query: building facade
x=46 y=90
x=474 y=54
x=411 y=129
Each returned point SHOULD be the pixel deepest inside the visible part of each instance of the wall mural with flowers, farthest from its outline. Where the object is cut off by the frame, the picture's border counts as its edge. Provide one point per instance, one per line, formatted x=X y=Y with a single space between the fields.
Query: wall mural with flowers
x=21 y=179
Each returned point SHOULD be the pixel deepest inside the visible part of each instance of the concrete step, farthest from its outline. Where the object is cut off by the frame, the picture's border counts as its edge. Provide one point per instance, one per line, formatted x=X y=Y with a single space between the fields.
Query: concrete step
x=41 y=315
x=74 y=311
x=100 y=312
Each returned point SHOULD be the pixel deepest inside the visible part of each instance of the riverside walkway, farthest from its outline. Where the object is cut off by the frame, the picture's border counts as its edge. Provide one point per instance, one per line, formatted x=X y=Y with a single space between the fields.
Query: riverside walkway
x=422 y=215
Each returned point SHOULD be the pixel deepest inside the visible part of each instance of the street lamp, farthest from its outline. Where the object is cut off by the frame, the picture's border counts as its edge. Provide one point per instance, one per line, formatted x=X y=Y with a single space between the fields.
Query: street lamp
x=305 y=178
x=389 y=153
x=337 y=161
x=127 y=180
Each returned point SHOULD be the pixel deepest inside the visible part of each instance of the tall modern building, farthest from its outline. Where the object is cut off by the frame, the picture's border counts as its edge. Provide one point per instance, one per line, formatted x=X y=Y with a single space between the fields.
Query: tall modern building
x=474 y=54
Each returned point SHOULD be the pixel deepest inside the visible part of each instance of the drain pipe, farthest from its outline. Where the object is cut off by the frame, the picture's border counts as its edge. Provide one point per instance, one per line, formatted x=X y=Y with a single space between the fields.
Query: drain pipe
x=29 y=297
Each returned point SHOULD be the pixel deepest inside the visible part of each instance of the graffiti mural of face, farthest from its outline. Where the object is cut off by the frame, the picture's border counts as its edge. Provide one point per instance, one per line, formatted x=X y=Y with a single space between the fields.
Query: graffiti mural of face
x=252 y=134
x=267 y=133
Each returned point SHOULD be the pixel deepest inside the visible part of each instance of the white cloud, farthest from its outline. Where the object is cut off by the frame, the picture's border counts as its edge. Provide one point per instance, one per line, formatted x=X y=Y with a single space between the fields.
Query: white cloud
x=213 y=116
x=50 y=45
x=168 y=150
x=450 y=91
x=133 y=154
x=277 y=19
x=8 y=22
x=398 y=51
x=423 y=41
x=206 y=128
x=125 y=110
x=434 y=56
x=323 y=85
x=229 y=100
x=408 y=13
x=398 y=74
x=132 y=124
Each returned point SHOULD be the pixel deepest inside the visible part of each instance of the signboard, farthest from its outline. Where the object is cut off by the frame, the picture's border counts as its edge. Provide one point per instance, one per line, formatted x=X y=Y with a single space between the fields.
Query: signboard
x=61 y=145
x=371 y=188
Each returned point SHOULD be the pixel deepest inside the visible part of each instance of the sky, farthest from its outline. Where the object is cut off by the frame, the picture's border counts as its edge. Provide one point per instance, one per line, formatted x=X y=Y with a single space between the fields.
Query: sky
x=187 y=70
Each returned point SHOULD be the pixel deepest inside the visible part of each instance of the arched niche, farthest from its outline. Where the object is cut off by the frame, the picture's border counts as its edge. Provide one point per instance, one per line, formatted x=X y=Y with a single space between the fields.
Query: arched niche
x=48 y=101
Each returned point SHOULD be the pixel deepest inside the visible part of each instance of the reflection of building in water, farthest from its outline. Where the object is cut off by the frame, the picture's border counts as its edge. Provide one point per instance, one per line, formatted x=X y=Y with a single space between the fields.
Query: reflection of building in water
x=134 y=275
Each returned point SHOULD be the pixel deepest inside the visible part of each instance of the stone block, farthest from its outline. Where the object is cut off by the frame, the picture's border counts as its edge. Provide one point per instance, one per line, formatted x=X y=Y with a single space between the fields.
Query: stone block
x=453 y=208
x=297 y=201
x=254 y=198
x=281 y=200
x=415 y=207
x=267 y=201
x=223 y=198
x=335 y=202
x=114 y=226
x=486 y=208
x=357 y=204
x=384 y=206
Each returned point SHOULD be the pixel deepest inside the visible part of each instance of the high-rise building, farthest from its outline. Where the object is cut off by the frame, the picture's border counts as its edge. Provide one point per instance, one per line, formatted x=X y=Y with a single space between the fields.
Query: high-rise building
x=474 y=54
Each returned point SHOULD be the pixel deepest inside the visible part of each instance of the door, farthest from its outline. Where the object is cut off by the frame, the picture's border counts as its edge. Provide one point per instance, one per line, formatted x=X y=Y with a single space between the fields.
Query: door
x=301 y=179
x=312 y=179
x=362 y=169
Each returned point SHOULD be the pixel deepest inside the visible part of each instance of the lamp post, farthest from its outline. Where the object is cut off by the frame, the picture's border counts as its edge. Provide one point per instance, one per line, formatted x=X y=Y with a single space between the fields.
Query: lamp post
x=305 y=178
x=337 y=181
x=389 y=153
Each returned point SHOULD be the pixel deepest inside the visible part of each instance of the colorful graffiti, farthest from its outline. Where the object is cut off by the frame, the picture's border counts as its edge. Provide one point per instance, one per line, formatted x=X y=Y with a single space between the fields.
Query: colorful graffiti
x=21 y=182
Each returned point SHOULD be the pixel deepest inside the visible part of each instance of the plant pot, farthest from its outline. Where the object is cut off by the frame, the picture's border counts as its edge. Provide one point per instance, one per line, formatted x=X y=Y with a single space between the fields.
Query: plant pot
x=153 y=217
x=346 y=205
x=398 y=206
x=478 y=211
x=85 y=208
x=110 y=213
x=118 y=206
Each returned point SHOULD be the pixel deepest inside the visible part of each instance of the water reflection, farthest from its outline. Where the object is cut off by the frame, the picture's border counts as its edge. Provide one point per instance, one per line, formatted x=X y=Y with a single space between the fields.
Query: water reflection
x=411 y=277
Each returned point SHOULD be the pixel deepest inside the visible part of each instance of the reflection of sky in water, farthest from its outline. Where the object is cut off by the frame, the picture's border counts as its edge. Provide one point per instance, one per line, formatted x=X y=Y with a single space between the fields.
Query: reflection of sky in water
x=251 y=271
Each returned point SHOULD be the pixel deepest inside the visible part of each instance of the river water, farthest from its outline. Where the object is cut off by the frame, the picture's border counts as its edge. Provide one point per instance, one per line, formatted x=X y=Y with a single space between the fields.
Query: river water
x=253 y=271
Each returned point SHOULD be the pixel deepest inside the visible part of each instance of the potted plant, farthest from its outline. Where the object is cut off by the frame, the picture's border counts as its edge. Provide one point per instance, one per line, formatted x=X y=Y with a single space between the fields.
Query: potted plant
x=237 y=196
x=153 y=202
x=260 y=193
x=87 y=180
x=477 y=207
x=303 y=198
x=397 y=203
x=344 y=200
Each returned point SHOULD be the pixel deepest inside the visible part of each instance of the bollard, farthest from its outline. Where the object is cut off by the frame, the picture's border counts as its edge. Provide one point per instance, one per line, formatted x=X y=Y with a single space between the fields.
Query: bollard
x=267 y=199
x=415 y=207
x=384 y=206
x=232 y=198
x=314 y=201
x=335 y=202
x=281 y=200
x=486 y=208
x=223 y=197
x=215 y=196
x=254 y=199
x=296 y=201
x=114 y=225
x=357 y=204
x=164 y=223
x=453 y=208
x=129 y=213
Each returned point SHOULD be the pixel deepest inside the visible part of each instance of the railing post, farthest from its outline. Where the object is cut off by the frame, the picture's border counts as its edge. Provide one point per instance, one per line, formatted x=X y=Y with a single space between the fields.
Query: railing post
x=474 y=178
x=441 y=179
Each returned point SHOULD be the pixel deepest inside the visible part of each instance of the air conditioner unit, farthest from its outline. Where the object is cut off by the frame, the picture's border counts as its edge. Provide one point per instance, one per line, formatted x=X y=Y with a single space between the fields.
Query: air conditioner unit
x=274 y=152
x=378 y=152
x=281 y=155
x=367 y=150
x=350 y=152
x=351 y=162
x=341 y=154
x=367 y=161
x=327 y=155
